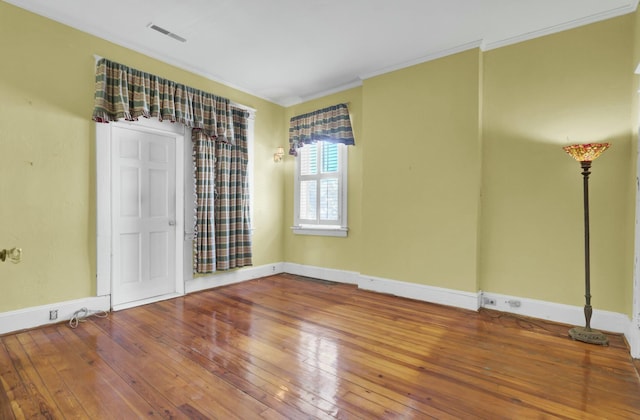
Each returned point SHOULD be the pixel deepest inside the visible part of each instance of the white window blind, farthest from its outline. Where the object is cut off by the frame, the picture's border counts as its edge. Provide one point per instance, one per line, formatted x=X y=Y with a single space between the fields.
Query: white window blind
x=320 y=193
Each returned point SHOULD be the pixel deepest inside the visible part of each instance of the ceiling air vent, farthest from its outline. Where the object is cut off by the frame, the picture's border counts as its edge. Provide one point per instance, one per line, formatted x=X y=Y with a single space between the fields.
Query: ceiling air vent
x=167 y=33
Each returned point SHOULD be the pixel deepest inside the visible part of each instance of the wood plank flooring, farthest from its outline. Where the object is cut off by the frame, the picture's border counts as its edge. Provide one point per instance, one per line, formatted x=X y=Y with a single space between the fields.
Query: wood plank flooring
x=287 y=347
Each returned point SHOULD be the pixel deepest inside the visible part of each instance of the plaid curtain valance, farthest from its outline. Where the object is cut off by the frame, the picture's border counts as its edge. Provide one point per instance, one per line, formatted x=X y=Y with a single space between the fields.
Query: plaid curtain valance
x=122 y=92
x=331 y=124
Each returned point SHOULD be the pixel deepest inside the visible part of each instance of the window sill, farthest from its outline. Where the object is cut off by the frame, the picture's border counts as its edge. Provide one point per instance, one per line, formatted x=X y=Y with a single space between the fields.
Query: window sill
x=339 y=232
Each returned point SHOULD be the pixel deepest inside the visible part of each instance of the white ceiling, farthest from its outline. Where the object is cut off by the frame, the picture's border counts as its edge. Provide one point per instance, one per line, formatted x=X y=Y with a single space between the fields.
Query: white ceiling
x=288 y=51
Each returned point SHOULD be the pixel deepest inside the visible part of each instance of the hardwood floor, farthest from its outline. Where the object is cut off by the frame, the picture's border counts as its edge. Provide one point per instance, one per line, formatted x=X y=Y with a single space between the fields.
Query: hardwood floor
x=290 y=347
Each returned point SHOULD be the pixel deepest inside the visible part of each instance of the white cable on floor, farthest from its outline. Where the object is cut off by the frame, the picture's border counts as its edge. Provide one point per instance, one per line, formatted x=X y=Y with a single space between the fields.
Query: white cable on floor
x=82 y=314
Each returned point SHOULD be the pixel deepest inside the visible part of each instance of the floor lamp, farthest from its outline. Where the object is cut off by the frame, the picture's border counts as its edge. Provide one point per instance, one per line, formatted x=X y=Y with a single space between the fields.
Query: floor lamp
x=585 y=154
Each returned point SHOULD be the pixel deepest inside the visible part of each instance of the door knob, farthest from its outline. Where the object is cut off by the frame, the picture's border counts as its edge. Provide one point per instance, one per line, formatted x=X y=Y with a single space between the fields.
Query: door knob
x=172 y=222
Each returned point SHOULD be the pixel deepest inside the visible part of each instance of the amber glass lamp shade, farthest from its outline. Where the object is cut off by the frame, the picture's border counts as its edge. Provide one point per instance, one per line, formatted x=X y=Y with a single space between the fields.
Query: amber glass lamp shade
x=586 y=152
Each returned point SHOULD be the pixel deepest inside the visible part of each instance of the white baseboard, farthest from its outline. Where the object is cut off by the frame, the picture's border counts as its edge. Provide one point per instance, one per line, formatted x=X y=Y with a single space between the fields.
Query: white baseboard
x=329 y=274
x=226 y=278
x=567 y=314
x=557 y=312
x=37 y=316
x=432 y=294
x=633 y=338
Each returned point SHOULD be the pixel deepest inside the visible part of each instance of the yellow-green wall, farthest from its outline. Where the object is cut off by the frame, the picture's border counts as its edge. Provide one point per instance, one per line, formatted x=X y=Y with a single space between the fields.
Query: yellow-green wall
x=421 y=173
x=540 y=95
x=322 y=251
x=413 y=215
x=47 y=162
x=457 y=179
x=464 y=183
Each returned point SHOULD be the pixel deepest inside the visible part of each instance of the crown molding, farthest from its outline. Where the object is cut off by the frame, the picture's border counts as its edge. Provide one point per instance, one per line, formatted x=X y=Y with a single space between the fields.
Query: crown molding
x=322 y=93
x=429 y=57
x=598 y=17
x=51 y=13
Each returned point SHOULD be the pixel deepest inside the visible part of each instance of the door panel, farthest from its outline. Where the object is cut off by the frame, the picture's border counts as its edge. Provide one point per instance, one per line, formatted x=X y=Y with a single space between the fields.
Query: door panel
x=144 y=213
x=158 y=194
x=129 y=258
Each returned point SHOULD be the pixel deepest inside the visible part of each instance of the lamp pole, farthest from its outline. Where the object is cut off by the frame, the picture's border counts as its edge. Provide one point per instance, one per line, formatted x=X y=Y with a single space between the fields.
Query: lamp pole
x=585 y=154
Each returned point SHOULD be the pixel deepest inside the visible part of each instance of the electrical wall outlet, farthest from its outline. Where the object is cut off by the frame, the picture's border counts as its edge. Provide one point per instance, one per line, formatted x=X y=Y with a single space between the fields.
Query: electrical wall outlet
x=488 y=301
x=514 y=303
x=53 y=315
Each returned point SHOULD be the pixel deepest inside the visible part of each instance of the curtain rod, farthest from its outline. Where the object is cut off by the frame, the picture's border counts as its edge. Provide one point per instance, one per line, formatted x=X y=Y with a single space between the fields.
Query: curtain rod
x=250 y=110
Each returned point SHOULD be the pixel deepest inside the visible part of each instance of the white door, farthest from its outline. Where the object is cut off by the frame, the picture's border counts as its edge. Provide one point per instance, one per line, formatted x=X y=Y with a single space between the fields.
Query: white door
x=143 y=209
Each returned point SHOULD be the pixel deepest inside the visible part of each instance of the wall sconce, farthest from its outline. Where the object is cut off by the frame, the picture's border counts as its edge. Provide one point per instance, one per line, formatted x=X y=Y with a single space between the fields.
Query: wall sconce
x=278 y=155
x=14 y=255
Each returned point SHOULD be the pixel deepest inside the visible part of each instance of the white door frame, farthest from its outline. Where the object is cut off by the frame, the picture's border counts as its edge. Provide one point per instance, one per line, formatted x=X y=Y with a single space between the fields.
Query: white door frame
x=104 y=197
x=633 y=336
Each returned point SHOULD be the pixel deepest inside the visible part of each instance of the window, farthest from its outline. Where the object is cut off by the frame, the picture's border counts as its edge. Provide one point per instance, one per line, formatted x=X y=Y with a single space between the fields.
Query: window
x=321 y=190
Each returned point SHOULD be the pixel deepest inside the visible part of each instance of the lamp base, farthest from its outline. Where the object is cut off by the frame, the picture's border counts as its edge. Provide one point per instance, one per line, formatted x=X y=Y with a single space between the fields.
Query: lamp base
x=588 y=335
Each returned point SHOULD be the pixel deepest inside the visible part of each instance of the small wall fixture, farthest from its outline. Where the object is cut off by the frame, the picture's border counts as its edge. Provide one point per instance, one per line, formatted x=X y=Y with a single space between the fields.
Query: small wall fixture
x=278 y=155
x=14 y=255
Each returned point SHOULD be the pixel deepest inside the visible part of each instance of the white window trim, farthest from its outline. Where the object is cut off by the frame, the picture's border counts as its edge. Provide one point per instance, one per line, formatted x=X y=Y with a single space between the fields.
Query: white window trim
x=339 y=230
x=251 y=124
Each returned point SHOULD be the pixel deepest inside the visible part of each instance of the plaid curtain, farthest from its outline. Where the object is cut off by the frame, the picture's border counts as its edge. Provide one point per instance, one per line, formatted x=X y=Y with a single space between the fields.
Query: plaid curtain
x=126 y=93
x=232 y=212
x=222 y=226
x=330 y=124
x=204 y=159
